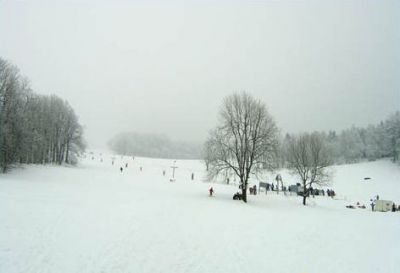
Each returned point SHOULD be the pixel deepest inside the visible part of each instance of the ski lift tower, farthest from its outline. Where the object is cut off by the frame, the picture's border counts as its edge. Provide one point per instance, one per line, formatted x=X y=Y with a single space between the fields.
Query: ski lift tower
x=173 y=167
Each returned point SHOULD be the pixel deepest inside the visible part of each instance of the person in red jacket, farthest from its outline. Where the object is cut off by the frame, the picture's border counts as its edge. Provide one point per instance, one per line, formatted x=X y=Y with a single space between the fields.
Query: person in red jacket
x=211 y=191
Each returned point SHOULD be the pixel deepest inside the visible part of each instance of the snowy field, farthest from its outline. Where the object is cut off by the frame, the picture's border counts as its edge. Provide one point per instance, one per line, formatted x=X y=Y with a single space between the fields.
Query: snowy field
x=93 y=218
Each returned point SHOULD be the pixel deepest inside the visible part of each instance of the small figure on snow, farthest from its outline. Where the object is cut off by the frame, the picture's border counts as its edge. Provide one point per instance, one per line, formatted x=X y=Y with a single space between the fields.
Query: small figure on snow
x=372 y=205
x=211 y=191
x=312 y=192
x=126 y=165
x=393 y=207
x=192 y=176
x=251 y=190
x=121 y=169
x=163 y=172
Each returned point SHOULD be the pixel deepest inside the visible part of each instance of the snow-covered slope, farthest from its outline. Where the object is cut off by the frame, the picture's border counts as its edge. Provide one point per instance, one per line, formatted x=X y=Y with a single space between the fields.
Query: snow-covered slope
x=93 y=218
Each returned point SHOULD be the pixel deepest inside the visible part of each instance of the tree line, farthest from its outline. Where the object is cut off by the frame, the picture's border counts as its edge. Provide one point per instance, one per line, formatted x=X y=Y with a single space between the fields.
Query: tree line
x=35 y=129
x=358 y=144
x=153 y=145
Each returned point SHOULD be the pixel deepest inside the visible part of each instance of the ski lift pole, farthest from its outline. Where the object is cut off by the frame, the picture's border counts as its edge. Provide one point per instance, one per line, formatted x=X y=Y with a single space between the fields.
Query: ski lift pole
x=173 y=167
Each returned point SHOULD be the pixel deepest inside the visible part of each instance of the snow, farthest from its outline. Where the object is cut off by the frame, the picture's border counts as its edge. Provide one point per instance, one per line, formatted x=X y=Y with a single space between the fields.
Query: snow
x=93 y=218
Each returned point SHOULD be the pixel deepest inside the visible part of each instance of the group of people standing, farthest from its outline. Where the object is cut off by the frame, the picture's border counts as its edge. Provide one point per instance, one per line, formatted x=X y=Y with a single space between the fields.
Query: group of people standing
x=330 y=193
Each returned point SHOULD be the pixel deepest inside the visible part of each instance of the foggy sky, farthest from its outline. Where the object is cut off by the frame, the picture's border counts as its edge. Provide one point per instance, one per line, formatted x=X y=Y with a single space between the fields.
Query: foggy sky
x=135 y=66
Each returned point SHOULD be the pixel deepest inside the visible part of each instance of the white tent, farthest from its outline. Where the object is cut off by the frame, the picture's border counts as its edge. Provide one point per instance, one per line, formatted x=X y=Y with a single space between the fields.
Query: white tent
x=383 y=205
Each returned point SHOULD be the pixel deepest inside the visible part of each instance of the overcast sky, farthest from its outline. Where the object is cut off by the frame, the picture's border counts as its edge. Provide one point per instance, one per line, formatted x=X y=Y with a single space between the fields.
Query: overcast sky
x=164 y=68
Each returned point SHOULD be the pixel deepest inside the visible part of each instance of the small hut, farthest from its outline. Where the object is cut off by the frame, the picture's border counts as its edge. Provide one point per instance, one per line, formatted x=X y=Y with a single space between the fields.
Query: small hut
x=383 y=205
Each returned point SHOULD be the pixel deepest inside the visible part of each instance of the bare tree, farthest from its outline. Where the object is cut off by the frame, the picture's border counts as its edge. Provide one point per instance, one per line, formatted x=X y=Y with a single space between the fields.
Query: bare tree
x=309 y=159
x=244 y=140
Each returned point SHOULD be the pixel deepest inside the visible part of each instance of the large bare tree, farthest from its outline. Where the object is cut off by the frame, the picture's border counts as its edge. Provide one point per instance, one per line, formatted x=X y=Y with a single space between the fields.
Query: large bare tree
x=309 y=159
x=243 y=141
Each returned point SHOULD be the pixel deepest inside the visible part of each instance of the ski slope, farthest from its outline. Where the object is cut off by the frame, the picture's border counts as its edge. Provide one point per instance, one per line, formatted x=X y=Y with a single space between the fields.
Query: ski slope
x=93 y=218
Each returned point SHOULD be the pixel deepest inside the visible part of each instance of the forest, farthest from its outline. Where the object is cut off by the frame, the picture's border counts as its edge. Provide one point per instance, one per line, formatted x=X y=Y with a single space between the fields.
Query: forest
x=35 y=128
x=358 y=144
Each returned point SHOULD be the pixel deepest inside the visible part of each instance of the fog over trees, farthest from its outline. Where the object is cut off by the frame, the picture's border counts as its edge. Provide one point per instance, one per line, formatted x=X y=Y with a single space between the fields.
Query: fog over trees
x=34 y=128
x=153 y=145
x=352 y=145
x=45 y=129
x=357 y=144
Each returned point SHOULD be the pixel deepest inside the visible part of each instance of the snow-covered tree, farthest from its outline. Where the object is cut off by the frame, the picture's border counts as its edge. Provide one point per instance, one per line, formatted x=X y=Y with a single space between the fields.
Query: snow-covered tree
x=351 y=145
x=34 y=128
x=393 y=133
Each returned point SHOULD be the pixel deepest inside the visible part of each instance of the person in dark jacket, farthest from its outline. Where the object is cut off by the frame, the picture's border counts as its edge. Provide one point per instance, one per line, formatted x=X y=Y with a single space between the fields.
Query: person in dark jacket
x=211 y=191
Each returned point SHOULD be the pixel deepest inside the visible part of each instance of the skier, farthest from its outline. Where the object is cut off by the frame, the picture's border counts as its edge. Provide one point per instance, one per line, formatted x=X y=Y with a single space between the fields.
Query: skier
x=126 y=165
x=211 y=191
x=121 y=169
